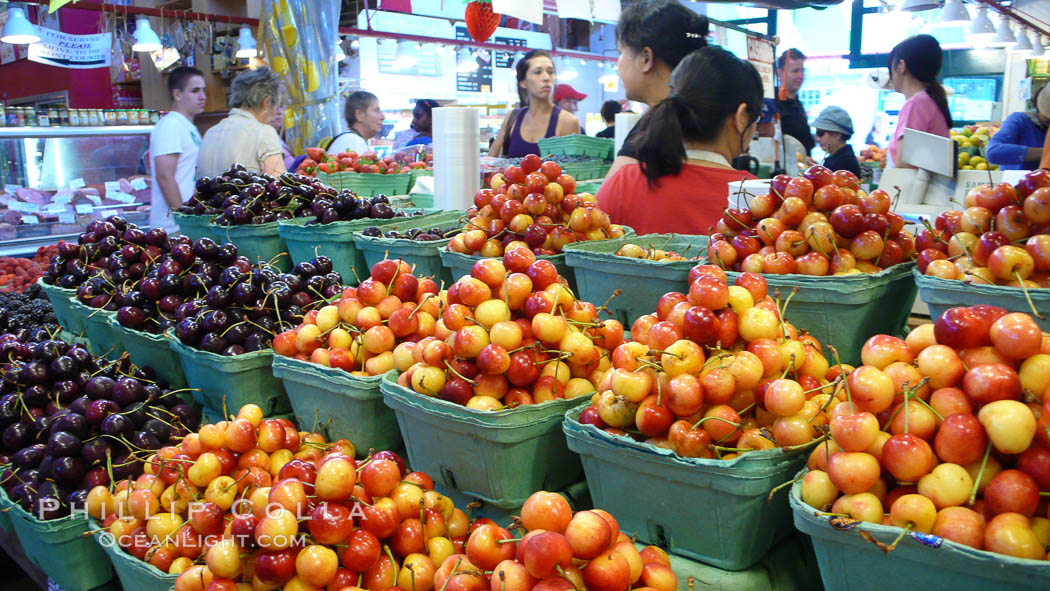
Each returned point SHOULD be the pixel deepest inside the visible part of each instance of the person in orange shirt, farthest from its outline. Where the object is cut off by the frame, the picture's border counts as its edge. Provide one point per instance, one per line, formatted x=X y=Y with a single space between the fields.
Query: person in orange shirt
x=686 y=144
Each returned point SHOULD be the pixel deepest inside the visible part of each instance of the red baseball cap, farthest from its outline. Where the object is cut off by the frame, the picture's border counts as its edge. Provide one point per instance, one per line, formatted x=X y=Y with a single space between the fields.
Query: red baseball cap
x=564 y=91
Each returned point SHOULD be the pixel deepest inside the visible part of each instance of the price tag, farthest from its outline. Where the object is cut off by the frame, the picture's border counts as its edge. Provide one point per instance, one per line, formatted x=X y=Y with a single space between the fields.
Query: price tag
x=30 y=219
x=138 y=184
x=62 y=198
x=67 y=218
x=10 y=189
x=112 y=186
x=76 y=184
x=94 y=199
x=85 y=208
x=54 y=207
x=23 y=207
x=121 y=197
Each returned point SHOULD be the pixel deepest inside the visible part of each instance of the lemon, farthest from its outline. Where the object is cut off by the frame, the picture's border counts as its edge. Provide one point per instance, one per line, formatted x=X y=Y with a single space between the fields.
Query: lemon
x=964 y=158
x=967 y=167
x=313 y=79
x=981 y=166
x=280 y=65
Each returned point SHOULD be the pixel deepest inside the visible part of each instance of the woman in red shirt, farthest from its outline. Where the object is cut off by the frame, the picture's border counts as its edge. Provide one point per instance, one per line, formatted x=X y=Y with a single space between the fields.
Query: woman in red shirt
x=685 y=146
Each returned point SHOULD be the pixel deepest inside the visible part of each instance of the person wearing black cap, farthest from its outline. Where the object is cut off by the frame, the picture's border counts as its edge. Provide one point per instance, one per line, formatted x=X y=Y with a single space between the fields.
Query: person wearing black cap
x=791 y=72
x=834 y=127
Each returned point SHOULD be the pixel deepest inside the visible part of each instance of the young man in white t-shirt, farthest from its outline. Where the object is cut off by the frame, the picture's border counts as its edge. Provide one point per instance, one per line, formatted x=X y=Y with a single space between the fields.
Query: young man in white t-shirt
x=173 y=146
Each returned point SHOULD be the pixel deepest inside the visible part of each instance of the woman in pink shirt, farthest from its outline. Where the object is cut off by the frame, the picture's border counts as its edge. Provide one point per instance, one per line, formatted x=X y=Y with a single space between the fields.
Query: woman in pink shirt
x=914 y=66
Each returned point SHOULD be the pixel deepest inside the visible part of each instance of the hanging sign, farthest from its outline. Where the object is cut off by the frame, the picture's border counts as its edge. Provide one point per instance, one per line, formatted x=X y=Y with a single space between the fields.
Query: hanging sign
x=72 y=51
x=760 y=53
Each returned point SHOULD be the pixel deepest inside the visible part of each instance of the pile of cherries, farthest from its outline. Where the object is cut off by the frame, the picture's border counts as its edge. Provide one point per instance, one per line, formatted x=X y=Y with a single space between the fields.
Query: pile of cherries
x=70 y=421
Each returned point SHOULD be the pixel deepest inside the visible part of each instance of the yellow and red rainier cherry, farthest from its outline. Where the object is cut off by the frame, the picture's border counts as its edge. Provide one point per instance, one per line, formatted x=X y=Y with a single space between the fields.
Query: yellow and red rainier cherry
x=510 y=333
x=715 y=372
x=362 y=331
x=1001 y=238
x=820 y=223
x=945 y=432
x=532 y=205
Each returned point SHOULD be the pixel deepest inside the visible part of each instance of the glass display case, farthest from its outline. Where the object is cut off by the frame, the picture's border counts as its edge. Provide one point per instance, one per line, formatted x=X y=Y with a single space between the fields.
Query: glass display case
x=57 y=180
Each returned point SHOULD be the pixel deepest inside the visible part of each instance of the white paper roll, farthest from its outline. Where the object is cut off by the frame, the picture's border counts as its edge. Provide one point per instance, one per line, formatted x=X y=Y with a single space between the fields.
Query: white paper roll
x=624 y=124
x=457 y=165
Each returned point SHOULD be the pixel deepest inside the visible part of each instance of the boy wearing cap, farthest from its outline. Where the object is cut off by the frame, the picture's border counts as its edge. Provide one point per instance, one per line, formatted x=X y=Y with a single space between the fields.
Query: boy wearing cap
x=834 y=127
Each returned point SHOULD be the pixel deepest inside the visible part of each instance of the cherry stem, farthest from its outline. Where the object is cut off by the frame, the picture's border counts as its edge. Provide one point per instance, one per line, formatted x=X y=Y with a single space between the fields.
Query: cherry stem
x=769 y=499
x=459 y=375
x=1028 y=297
x=451 y=573
x=900 y=537
x=980 y=474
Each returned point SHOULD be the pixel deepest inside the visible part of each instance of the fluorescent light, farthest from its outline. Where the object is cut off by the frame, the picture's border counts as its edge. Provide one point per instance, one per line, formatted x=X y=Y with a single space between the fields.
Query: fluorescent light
x=1023 y=45
x=18 y=30
x=981 y=28
x=406 y=55
x=246 y=44
x=918 y=5
x=145 y=38
x=953 y=14
x=1004 y=36
x=467 y=63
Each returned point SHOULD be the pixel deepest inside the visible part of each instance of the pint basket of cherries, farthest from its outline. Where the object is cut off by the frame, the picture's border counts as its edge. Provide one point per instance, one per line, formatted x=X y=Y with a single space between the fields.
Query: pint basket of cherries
x=995 y=251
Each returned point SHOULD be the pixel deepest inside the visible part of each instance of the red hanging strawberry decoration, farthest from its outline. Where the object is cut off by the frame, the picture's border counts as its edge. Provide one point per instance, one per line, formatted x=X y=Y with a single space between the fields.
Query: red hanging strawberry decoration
x=481 y=21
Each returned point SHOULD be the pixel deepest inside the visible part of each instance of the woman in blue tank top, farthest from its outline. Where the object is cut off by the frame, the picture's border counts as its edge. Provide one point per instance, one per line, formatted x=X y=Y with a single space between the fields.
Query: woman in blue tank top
x=538 y=118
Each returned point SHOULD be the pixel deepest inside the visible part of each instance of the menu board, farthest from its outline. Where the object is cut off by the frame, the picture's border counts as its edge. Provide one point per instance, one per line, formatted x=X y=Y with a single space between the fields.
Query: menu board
x=505 y=59
x=479 y=80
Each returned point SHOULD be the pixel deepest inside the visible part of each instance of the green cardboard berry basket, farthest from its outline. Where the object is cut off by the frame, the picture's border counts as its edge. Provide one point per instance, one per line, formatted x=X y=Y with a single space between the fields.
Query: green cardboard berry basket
x=335 y=241
x=101 y=340
x=6 y=506
x=941 y=294
x=578 y=145
x=497 y=457
x=63 y=549
x=61 y=302
x=151 y=350
x=258 y=242
x=132 y=572
x=714 y=511
x=349 y=407
x=425 y=257
x=229 y=382
x=849 y=561
x=600 y=272
x=194 y=226
x=368 y=184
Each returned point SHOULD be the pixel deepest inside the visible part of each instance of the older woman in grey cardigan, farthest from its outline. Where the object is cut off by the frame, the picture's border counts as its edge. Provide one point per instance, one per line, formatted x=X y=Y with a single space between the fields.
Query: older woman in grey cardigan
x=246 y=137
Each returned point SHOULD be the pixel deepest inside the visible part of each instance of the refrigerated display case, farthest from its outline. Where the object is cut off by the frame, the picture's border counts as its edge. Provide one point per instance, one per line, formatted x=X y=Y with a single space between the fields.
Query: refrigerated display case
x=57 y=180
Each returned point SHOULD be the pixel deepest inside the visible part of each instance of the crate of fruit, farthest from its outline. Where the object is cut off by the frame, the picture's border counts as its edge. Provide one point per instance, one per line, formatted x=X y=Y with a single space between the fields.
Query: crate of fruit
x=642 y=268
x=419 y=243
x=369 y=184
x=101 y=339
x=349 y=406
x=940 y=294
x=258 y=242
x=61 y=301
x=844 y=311
x=229 y=382
x=499 y=457
x=194 y=226
x=578 y=145
x=715 y=511
x=459 y=264
x=150 y=350
x=63 y=549
x=132 y=572
x=852 y=556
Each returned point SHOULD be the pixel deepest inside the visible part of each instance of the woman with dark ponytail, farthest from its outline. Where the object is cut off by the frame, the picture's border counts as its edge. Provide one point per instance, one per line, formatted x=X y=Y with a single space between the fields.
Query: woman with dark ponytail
x=914 y=66
x=686 y=144
x=653 y=36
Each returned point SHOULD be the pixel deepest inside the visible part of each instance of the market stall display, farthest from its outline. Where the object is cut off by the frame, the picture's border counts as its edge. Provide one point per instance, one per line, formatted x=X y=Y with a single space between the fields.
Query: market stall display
x=935 y=432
